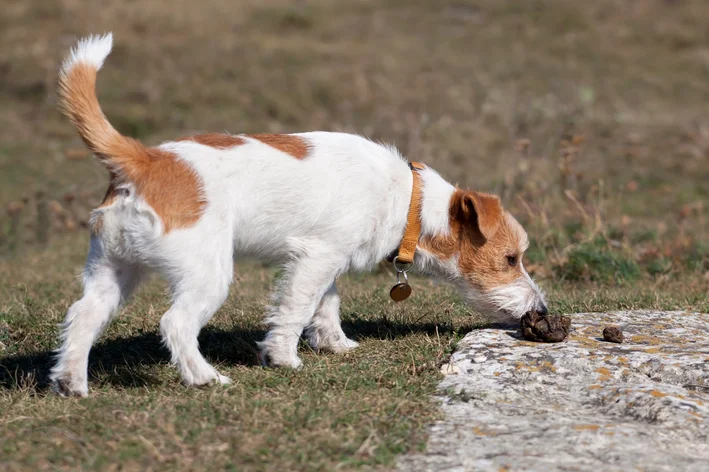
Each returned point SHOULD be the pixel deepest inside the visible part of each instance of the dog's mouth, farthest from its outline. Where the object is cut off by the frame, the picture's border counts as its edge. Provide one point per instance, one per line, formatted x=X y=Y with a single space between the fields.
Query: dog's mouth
x=506 y=315
x=508 y=303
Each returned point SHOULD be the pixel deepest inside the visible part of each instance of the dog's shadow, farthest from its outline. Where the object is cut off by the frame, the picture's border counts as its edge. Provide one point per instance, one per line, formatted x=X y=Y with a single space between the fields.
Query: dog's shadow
x=121 y=361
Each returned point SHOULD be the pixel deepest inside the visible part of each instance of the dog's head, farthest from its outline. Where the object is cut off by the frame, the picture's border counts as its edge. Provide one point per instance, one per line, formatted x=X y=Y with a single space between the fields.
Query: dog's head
x=482 y=253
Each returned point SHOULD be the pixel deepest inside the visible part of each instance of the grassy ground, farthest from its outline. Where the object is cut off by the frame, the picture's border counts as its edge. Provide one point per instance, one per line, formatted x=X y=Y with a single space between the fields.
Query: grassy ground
x=589 y=118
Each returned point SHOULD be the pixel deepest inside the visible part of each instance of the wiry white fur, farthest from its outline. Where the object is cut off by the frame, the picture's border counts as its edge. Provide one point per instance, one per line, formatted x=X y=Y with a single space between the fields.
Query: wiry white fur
x=515 y=299
x=342 y=207
x=325 y=332
x=107 y=283
x=435 y=207
x=91 y=50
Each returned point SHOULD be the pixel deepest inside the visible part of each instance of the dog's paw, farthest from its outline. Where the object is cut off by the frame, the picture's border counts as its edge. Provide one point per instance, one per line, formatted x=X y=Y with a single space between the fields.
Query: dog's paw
x=337 y=343
x=222 y=379
x=204 y=378
x=342 y=345
x=270 y=359
x=66 y=388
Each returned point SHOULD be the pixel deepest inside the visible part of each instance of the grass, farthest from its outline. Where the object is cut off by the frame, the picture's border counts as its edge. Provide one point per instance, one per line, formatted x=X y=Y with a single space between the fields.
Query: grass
x=345 y=410
x=593 y=262
x=589 y=119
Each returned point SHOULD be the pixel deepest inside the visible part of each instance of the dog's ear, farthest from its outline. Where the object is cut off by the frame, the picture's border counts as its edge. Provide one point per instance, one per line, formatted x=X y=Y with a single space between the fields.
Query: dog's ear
x=481 y=210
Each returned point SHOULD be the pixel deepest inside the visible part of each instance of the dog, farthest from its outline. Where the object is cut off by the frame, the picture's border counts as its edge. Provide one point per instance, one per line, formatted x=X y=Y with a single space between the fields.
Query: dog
x=318 y=203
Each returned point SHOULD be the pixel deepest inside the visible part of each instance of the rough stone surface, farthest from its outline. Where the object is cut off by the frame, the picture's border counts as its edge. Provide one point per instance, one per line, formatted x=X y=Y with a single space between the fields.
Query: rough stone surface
x=583 y=404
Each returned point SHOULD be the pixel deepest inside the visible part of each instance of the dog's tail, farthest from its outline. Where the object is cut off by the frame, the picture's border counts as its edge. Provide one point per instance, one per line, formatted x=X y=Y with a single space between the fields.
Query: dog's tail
x=77 y=99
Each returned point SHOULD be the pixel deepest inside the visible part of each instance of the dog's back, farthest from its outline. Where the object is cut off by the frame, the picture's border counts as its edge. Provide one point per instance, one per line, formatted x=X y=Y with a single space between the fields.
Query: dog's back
x=273 y=195
x=341 y=192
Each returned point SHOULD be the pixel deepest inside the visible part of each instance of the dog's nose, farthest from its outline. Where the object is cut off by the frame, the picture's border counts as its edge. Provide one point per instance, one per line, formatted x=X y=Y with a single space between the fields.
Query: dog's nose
x=542 y=310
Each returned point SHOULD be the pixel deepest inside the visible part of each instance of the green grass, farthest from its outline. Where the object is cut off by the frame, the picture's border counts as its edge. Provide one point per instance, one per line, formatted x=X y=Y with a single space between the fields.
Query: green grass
x=588 y=118
x=595 y=261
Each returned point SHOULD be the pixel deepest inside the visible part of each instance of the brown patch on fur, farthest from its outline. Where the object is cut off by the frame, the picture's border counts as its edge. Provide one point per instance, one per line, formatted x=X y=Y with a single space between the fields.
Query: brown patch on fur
x=288 y=143
x=444 y=247
x=482 y=209
x=481 y=260
x=215 y=140
x=169 y=185
x=486 y=266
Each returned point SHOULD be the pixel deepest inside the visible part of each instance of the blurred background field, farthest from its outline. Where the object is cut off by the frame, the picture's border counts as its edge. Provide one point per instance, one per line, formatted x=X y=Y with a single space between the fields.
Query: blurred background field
x=590 y=119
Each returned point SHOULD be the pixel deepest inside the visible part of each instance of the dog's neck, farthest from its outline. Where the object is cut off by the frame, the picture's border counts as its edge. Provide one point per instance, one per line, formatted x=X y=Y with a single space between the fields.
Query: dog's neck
x=435 y=222
x=435 y=203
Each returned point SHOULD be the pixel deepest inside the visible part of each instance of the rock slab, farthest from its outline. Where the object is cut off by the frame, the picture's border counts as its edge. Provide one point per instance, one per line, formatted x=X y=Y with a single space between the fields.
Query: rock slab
x=582 y=405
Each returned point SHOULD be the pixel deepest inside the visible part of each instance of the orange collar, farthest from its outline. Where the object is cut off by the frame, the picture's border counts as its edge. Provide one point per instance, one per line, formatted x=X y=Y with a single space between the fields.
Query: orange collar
x=407 y=248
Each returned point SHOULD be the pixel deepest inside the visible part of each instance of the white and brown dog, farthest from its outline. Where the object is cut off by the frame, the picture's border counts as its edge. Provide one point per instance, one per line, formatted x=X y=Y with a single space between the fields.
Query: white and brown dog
x=319 y=203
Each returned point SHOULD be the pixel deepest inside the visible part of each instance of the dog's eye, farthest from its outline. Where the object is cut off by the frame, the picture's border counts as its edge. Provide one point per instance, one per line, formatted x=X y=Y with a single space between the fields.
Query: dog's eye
x=512 y=260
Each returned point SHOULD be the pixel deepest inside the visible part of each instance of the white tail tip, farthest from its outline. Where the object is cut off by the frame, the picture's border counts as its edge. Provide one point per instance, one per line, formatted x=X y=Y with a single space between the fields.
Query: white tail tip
x=90 y=50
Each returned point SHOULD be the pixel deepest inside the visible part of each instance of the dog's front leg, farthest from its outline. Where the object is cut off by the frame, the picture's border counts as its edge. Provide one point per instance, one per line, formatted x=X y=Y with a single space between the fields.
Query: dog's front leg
x=325 y=332
x=306 y=281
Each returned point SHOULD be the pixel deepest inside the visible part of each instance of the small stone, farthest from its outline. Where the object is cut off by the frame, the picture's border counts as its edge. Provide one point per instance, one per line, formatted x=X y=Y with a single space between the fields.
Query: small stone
x=479 y=359
x=547 y=329
x=613 y=334
x=450 y=369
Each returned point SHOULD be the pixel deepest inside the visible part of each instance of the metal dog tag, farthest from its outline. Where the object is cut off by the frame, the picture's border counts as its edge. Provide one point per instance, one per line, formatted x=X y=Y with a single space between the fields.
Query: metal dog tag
x=400 y=292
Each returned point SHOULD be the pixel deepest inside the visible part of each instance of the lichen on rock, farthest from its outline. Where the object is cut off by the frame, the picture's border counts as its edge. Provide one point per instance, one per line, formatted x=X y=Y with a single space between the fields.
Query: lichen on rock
x=582 y=404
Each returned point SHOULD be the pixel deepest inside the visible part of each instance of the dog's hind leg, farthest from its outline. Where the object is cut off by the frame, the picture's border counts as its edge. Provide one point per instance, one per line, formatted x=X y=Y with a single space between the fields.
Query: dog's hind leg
x=107 y=283
x=307 y=279
x=325 y=332
x=200 y=282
